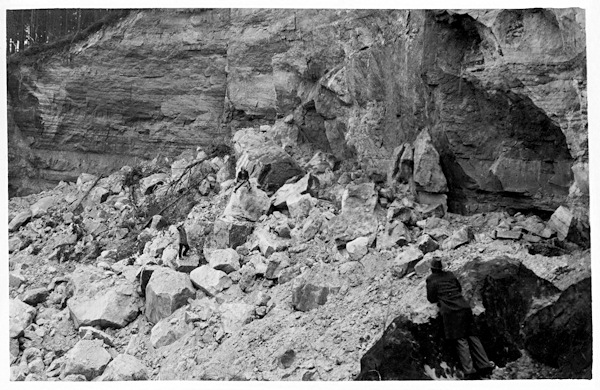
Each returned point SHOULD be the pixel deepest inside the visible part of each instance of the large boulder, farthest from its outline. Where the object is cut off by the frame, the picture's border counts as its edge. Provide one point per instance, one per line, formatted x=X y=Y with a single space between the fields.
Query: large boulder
x=167 y=291
x=87 y=358
x=228 y=233
x=247 y=203
x=20 y=316
x=263 y=159
x=428 y=173
x=102 y=302
x=210 y=280
x=226 y=260
x=125 y=368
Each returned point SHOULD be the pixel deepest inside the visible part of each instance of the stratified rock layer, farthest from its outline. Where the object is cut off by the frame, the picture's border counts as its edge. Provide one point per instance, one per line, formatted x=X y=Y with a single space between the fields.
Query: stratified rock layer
x=503 y=94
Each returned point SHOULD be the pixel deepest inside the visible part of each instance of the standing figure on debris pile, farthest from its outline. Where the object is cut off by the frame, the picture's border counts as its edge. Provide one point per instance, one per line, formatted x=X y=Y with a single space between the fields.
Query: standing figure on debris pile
x=183 y=242
x=241 y=179
x=444 y=289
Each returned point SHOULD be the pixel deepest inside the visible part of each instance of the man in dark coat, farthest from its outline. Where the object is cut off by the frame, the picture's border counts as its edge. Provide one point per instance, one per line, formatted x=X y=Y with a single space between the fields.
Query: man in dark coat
x=183 y=242
x=444 y=289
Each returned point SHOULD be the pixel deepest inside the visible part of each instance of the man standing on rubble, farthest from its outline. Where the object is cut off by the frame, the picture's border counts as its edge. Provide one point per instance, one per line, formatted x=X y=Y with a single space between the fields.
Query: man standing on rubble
x=444 y=289
x=183 y=242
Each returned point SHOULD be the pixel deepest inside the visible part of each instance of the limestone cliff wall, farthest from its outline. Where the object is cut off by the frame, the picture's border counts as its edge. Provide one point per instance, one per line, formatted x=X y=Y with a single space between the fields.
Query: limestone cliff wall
x=502 y=92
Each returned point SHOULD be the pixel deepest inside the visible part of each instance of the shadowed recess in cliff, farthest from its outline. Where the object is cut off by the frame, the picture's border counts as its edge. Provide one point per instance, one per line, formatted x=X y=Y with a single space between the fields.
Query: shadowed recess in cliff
x=497 y=147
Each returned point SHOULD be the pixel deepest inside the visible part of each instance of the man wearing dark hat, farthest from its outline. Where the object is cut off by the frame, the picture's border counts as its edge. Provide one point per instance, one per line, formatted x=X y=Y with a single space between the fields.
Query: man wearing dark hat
x=444 y=289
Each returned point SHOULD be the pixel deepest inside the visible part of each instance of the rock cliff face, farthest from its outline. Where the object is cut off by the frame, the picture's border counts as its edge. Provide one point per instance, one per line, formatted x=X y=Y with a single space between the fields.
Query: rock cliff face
x=501 y=92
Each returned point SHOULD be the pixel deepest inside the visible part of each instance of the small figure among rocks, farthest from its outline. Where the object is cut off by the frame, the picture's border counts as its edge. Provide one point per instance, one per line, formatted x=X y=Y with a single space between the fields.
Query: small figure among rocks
x=183 y=242
x=243 y=178
x=444 y=289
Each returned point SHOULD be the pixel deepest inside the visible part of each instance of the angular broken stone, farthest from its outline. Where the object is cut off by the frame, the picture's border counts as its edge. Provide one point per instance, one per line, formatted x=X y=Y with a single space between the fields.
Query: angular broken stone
x=263 y=159
x=167 y=291
x=90 y=333
x=348 y=226
x=149 y=183
x=210 y=280
x=98 y=195
x=228 y=233
x=35 y=296
x=41 y=207
x=360 y=198
x=308 y=296
x=401 y=168
x=158 y=222
x=226 y=260
x=20 y=316
x=19 y=220
x=428 y=173
x=561 y=222
x=247 y=203
x=186 y=264
x=125 y=368
x=358 y=248
x=406 y=260
x=15 y=279
x=170 y=329
x=299 y=206
x=395 y=234
x=268 y=243
x=462 y=236
x=306 y=184
x=502 y=234
x=102 y=302
x=427 y=244
x=277 y=263
x=87 y=358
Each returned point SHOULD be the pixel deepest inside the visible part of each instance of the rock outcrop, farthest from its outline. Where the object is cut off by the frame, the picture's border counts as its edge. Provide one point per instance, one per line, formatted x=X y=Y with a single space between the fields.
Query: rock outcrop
x=502 y=94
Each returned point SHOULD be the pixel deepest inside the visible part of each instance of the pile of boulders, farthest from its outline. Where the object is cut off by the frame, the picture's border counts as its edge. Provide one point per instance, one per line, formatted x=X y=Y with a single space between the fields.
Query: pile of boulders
x=292 y=238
